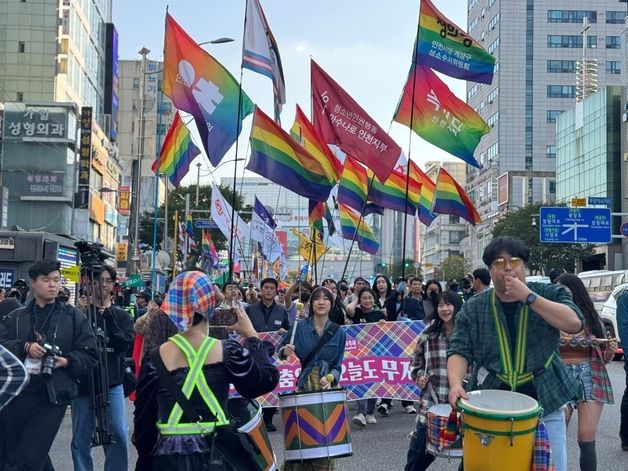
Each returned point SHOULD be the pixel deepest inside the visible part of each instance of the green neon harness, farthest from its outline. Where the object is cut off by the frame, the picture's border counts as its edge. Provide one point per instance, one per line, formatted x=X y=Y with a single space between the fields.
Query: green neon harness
x=514 y=375
x=194 y=380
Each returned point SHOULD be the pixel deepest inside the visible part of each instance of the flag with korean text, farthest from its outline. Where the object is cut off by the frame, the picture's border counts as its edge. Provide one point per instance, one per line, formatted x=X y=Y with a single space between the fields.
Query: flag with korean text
x=450 y=198
x=341 y=121
x=263 y=231
x=426 y=199
x=438 y=116
x=198 y=84
x=260 y=52
x=445 y=47
x=221 y=214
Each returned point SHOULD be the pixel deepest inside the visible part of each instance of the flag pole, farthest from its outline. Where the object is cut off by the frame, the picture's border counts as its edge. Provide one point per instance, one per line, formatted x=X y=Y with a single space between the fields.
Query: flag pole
x=235 y=164
x=355 y=234
x=153 y=274
x=175 y=243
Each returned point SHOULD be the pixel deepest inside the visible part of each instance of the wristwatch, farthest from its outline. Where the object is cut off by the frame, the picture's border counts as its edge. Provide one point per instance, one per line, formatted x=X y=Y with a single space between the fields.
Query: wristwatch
x=531 y=298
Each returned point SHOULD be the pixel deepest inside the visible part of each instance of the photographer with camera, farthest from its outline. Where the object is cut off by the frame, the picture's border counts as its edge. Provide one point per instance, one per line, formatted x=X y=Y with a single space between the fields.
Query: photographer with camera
x=113 y=324
x=57 y=346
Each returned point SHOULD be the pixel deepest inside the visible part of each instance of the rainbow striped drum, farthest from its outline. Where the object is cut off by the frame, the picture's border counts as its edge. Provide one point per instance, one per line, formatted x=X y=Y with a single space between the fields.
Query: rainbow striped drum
x=315 y=425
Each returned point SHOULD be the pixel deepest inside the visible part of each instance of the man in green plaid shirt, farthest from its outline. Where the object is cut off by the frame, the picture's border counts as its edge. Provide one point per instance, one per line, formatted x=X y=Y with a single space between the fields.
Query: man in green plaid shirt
x=511 y=333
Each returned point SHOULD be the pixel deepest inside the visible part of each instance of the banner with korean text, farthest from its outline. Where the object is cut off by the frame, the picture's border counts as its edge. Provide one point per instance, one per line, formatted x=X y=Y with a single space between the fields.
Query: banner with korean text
x=376 y=363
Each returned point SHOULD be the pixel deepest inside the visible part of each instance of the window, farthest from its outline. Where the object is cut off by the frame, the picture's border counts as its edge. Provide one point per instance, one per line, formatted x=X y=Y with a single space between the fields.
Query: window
x=612 y=42
x=472 y=4
x=561 y=91
x=615 y=17
x=21 y=46
x=560 y=66
x=552 y=115
x=552 y=186
x=161 y=129
x=494 y=45
x=166 y=107
x=473 y=24
x=492 y=120
x=492 y=152
x=571 y=16
x=551 y=152
x=493 y=95
x=136 y=82
x=19 y=96
x=454 y=219
x=472 y=91
x=493 y=22
x=612 y=67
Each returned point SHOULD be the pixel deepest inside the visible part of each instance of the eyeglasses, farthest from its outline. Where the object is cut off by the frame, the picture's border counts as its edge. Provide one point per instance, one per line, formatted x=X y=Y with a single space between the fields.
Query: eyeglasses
x=500 y=263
x=107 y=281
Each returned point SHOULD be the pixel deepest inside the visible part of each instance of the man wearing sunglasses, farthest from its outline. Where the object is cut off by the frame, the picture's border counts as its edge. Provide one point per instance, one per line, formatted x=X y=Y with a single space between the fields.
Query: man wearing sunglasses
x=511 y=332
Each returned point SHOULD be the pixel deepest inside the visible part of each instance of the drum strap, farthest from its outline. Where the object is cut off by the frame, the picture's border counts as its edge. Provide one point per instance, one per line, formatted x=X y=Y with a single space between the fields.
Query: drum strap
x=195 y=379
x=513 y=373
x=326 y=337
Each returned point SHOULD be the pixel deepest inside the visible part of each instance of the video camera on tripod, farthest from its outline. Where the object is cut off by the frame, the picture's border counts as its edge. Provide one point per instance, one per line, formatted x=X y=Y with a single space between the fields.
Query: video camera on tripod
x=92 y=263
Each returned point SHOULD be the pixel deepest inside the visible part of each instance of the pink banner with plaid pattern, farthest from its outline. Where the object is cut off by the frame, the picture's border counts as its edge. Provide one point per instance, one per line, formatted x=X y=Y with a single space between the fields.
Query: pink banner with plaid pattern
x=376 y=362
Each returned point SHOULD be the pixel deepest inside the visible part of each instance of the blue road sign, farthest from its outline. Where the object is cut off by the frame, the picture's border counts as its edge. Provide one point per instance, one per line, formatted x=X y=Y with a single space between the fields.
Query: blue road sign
x=600 y=201
x=205 y=224
x=624 y=229
x=575 y=225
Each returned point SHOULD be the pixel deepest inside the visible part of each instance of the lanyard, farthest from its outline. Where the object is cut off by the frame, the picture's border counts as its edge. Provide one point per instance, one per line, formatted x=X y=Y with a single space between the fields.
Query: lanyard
x=45 y=319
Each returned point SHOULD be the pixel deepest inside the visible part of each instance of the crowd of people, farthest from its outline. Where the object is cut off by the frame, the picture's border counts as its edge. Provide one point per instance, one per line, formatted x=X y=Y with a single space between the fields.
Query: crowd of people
x=491 y=330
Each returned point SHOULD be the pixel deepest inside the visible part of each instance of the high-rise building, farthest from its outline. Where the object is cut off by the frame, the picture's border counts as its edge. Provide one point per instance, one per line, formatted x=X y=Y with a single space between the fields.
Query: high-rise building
x=442 y=238
x=64 y=52
x=537 y=45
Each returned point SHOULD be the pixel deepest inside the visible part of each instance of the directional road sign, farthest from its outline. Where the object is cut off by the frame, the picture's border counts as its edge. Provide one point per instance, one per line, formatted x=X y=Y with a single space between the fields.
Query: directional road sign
x=575 y=225
x=205 y=224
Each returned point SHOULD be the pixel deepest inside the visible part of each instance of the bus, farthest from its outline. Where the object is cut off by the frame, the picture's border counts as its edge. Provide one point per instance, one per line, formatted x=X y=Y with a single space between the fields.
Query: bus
x=600 y=284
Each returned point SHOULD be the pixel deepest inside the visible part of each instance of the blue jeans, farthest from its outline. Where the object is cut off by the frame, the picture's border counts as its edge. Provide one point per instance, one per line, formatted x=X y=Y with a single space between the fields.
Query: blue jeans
x=557 y=434
x=418 y=459
x=116 y=453
x=367 y=406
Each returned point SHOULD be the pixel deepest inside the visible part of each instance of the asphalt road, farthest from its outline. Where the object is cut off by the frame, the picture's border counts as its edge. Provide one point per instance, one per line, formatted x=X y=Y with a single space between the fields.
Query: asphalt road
x=383 y=446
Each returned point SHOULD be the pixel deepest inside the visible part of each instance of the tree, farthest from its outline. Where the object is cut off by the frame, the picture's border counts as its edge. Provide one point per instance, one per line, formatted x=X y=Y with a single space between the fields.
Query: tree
x=176 y=201
x=543 y=256
x=454 y=266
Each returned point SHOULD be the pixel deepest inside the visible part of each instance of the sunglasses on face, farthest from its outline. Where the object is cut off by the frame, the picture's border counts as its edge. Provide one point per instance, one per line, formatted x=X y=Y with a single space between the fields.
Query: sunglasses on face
x=514 y=262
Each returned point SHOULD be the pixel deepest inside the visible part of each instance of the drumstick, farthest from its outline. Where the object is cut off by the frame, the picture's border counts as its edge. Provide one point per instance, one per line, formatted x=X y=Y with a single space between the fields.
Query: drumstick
x=294 y=331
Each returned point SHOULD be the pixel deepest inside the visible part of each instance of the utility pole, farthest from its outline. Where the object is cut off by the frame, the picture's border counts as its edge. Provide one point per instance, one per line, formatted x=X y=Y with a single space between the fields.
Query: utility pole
x=198 y=181
x=138 y=165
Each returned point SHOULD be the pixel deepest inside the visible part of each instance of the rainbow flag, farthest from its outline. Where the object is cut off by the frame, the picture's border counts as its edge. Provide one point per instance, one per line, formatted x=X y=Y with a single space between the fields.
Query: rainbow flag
x=450 y=198
x=281 y=159
x=445 y=47
x=350 y=222
x=209 y=254
x=319 y=210
x=353 y=187
x=198 y=84
x=177 y=152
x=438 y=116
x=392 y=193
x=426 y=200
x=304 y=132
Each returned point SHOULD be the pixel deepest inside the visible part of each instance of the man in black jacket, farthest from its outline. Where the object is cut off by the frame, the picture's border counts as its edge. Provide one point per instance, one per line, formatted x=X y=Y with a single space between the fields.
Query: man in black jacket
x=117 y=326
x=57 y=346
x=268 y=316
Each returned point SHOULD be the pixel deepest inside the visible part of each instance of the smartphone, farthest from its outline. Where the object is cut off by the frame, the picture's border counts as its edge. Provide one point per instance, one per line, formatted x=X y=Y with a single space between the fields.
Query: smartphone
x=223 y=316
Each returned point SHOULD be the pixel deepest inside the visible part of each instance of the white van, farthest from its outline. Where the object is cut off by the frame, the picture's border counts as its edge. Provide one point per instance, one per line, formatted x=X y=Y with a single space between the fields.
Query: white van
x=608 y=313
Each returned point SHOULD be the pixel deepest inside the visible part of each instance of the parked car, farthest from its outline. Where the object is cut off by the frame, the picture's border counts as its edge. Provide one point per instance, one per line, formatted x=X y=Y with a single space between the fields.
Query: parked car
x=608 y=314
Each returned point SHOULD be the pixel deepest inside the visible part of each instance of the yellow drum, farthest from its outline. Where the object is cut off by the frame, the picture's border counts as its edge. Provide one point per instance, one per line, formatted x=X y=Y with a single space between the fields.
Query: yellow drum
x=498 y=430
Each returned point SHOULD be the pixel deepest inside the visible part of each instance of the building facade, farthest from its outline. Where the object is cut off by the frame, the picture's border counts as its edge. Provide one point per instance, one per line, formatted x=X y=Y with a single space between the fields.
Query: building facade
x=537 y=44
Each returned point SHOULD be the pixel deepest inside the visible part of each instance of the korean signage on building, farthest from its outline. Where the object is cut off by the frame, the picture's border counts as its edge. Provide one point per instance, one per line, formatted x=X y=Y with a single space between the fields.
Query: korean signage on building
x=33 y=122
x=7 y=277
x=41 y=183
x=124 y=200
x=85 y=156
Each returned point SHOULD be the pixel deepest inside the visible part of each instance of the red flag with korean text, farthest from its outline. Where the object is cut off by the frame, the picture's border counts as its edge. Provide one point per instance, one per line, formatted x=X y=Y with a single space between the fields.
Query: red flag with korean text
x=341 y=121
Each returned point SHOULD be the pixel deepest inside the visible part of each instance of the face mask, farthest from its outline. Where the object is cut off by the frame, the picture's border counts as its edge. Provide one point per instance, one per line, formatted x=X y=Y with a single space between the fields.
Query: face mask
x=434 y=297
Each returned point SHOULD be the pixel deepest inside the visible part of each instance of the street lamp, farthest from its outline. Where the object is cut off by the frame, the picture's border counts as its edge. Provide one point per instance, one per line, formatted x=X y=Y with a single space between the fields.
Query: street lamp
x=198 y=180
x=220 y=41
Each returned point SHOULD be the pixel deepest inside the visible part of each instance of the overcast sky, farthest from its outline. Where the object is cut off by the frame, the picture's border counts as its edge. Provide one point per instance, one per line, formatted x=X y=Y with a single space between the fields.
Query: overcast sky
x=366 y=46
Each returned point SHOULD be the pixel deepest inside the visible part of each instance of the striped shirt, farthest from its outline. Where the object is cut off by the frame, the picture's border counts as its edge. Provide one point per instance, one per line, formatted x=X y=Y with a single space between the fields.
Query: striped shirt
x=13 y=376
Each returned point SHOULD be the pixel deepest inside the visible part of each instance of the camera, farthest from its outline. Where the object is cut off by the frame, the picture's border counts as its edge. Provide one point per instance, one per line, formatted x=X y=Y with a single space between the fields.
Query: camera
x=48 y=361
x=466 y=284
x=92 y=255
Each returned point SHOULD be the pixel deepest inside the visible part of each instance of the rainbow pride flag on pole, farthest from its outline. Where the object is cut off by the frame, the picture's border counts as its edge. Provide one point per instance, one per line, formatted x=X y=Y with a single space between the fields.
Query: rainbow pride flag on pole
x=392 y=193
x=354 y=186
x=177 y=152
x=277 y=156
x=426 y=199
x=445 y=47
x=450 y=198
x=438 y=116
x=350 y=222
x=198 y=84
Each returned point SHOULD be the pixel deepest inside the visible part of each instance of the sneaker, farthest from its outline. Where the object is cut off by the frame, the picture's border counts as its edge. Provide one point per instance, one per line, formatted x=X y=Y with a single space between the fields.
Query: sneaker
x=370 y=419
x=410 y=409
x=270 y=427
x=359 y=420
x=383 y=409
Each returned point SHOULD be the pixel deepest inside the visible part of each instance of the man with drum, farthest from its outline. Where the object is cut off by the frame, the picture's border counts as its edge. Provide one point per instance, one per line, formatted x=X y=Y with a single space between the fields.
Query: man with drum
x=511 y=333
